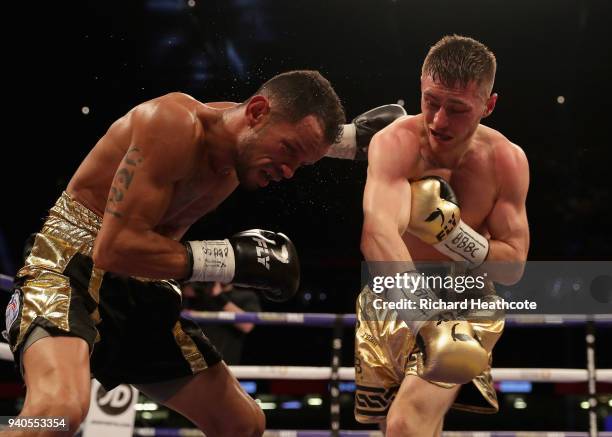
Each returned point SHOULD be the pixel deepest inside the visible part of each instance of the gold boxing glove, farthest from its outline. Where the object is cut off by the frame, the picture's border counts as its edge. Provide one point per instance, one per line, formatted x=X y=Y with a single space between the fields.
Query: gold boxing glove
x=450 y=352
x=435 y=218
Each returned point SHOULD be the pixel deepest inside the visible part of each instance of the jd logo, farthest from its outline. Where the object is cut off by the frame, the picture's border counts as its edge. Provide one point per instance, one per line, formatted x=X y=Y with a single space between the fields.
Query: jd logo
x=116 y=401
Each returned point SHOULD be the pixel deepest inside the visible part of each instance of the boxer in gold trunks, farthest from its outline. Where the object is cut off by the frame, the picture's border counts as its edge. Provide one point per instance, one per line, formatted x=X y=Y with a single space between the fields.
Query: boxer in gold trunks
x=414 y=166
x=98 y=292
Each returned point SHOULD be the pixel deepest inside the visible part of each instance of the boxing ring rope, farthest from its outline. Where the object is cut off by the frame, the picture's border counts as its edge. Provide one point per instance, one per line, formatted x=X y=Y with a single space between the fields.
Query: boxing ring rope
x=329 y=320
x=323 y=373
x=348 y=373
x=335 y=373
x=6 y=282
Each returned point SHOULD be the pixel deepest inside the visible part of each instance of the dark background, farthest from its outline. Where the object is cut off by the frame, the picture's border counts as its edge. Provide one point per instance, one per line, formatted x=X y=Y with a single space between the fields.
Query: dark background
x=112 y=55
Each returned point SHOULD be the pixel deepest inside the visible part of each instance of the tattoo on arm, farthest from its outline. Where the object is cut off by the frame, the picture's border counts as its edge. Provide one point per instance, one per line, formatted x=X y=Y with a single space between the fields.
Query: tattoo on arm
x=122 y=181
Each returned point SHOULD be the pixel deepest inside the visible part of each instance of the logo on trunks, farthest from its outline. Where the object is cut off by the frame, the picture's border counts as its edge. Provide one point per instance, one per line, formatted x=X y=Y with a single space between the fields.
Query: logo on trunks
x=116 y=401
x=12 y=309
x=374 y=401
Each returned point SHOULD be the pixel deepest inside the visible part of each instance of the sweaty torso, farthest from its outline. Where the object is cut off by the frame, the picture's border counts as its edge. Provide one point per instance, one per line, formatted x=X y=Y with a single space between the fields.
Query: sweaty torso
x=200 y=189
x=473 y=180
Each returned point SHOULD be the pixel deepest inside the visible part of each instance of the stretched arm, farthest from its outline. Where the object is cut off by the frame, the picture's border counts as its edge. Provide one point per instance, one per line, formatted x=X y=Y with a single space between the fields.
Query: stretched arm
x=163 y=139
x=356 y=136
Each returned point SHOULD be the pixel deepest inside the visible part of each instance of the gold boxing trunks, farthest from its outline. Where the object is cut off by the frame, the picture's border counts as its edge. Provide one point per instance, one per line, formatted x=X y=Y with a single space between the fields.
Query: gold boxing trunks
x=132 y=325
x=386 y=350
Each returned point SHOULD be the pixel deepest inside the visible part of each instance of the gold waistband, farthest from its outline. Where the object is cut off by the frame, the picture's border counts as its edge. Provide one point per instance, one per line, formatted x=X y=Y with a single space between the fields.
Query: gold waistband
x=73 y=211
x=73 y=223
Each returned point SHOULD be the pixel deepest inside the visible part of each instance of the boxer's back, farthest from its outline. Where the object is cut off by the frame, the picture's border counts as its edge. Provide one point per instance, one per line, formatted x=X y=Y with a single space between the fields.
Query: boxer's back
x=197 y=189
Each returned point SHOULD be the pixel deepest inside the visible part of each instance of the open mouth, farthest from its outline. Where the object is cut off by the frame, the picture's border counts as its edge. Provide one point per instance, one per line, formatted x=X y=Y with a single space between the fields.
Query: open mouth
x=439 y=136
x=268 y=175
x=264 y=178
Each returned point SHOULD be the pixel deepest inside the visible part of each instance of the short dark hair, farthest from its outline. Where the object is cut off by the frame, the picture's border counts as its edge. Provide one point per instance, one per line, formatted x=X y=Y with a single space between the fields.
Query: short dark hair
x=457 y=60
x=297 y=94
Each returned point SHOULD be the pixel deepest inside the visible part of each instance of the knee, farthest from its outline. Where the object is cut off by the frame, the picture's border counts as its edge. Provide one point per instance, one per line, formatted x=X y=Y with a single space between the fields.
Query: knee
x=405 y=426
x=61 y=402
x=250 y=424
x=260 y=421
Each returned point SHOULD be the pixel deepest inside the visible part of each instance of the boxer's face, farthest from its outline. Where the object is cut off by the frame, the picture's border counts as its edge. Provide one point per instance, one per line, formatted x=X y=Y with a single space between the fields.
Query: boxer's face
x=275 y=150
x=451 y=115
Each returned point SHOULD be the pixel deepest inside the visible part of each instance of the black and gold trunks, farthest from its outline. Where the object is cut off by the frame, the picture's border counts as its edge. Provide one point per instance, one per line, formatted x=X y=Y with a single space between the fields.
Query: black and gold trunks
x=133 y=326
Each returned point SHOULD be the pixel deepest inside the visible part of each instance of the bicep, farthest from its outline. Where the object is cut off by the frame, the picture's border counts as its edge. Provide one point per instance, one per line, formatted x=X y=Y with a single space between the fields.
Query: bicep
x=143 y=184
x=137 y=196
x=508 y=224
x=508 y=220
x=386 y=200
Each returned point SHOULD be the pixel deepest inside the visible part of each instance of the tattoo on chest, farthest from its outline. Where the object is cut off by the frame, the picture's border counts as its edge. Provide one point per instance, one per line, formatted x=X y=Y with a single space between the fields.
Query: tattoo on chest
x=122 y=181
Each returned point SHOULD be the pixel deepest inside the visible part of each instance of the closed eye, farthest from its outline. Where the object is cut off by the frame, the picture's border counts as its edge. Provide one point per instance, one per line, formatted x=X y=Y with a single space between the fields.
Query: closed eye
x=289 y=148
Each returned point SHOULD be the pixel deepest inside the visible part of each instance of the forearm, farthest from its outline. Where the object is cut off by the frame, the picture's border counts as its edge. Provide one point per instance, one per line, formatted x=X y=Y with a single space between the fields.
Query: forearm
x=504 y=264
x=356 y=136
x=385 y=252
x=346 y=146
x=146 y=254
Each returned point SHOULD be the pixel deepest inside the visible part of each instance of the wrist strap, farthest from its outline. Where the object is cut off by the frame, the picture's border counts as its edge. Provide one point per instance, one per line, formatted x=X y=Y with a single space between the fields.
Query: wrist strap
x=189 y=260
x=465 y=244
x=213 y=261
x=346 y=146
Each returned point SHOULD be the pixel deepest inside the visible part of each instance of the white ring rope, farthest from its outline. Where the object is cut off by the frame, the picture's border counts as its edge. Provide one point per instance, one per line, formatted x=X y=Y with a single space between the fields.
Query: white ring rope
x=348 y=373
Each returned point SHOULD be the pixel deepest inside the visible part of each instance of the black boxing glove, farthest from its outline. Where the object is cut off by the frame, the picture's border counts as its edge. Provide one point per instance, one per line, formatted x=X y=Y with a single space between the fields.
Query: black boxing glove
x=356 y=136
x=259 y=259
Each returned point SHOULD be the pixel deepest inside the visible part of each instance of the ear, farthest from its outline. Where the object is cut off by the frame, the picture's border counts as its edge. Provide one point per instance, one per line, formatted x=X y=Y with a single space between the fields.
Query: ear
x=490 y=105
x=257 y=109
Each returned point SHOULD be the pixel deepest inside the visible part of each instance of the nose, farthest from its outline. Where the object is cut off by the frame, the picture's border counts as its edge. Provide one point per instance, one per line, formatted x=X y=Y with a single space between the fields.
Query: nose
x=287 y=172
x=440 y=120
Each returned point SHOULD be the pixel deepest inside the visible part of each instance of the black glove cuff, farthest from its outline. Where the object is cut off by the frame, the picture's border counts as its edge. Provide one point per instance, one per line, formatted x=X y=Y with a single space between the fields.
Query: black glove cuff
x=189 y=261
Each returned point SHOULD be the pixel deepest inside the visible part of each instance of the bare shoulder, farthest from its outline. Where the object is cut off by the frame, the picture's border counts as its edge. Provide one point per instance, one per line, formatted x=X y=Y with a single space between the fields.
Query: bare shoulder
x=167 y=130
x=397 y=143
x=167 y=110
x=510 y=162
x=169 y=123
x=505 y=152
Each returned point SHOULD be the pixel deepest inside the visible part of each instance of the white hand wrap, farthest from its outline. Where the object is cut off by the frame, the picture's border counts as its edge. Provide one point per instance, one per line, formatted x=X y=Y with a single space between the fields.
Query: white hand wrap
x=213 y=261
x=465 y=244
x=346 y=146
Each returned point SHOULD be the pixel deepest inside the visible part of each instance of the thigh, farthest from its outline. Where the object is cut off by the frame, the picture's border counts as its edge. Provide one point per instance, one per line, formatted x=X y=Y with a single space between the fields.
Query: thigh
x=211 y=399
x=143 y=338
x=381 y=348
x=58 y=366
